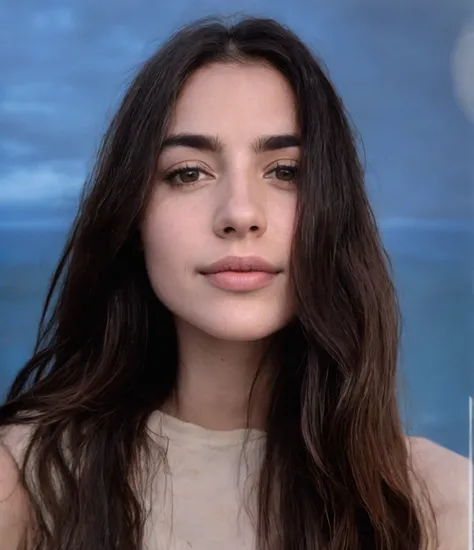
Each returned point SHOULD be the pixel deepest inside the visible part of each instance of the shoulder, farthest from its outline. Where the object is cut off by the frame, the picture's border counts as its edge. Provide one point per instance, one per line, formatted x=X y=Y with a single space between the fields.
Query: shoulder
x=14 y=516
x=446 y=476
x=15 y=438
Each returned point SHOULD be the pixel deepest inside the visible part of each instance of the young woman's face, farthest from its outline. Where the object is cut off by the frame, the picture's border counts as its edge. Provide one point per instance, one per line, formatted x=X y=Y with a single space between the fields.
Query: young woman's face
x=235 y=199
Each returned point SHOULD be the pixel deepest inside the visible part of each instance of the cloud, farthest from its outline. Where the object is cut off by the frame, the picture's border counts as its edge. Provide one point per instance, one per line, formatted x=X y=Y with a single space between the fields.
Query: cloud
x=54 y=19
x=41 y=183
x=65 y=68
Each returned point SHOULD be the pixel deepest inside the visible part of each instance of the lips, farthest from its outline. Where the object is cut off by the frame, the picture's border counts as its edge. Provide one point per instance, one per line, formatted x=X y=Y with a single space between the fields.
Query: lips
x=240 y=264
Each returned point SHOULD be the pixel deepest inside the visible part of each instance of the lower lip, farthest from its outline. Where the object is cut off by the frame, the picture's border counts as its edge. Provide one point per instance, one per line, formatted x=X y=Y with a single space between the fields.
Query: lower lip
x=240 y=280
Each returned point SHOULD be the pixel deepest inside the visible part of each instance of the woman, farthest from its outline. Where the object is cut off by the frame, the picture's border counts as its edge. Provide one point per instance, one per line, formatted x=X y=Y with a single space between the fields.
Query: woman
x=175 y=400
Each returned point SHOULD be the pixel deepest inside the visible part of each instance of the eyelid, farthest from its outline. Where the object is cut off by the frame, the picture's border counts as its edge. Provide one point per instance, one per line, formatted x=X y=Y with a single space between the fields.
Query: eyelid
x=189 y=165
x=283 y=162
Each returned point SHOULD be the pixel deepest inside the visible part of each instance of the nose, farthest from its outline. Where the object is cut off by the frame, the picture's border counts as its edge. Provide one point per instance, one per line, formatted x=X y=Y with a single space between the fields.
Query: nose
x=241 y=210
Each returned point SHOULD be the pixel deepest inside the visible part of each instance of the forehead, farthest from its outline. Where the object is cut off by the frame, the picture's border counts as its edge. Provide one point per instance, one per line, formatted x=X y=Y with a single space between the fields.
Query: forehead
x=234 y=99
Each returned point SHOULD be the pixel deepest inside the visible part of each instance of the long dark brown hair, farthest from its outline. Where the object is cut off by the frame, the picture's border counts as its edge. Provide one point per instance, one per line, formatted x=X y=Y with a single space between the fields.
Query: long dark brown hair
x=106 y=351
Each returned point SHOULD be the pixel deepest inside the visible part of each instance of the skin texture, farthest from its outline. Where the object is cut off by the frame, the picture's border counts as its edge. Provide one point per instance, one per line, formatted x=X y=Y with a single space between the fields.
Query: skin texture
x=14 y=510
x=446 y=475
x=239 y=206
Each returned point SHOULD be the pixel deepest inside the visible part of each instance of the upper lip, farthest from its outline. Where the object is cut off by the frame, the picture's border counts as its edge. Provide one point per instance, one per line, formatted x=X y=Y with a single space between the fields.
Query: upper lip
x=240 y=263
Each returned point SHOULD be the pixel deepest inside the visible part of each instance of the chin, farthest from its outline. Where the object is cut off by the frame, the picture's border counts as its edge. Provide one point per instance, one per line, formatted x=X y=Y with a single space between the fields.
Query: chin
x=238 y=328
x=240 y=334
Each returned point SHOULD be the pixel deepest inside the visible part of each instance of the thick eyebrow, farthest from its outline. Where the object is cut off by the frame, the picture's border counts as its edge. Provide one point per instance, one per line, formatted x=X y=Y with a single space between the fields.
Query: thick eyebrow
x=213 y=144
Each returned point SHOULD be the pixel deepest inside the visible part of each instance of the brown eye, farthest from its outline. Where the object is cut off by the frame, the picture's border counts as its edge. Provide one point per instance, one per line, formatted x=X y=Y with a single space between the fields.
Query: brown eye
x=189 y=175
x=284 y=172
x=185 y=175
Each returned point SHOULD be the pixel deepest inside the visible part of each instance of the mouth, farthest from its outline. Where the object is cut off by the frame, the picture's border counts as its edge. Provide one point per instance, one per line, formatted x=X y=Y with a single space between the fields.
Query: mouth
x=241 y=264
x=240 y=281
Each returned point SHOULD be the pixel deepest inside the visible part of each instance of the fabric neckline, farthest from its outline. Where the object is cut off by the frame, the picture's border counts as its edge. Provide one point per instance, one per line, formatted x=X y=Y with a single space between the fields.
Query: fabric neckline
x=181 y=432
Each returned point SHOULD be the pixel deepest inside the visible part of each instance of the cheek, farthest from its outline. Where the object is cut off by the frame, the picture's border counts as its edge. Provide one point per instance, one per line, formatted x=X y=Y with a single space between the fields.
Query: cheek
x=168 y=245
x=284 y=223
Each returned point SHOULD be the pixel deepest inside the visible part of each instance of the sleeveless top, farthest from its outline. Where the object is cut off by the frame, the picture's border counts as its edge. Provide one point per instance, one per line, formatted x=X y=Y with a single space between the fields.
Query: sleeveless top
x=201 y=494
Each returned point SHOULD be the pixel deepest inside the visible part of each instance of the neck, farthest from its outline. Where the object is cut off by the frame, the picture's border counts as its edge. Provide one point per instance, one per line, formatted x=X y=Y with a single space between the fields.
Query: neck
x=215 y=383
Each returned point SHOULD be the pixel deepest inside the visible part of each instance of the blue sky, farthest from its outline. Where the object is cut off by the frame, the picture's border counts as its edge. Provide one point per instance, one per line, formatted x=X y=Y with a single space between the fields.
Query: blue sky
x=64 y=66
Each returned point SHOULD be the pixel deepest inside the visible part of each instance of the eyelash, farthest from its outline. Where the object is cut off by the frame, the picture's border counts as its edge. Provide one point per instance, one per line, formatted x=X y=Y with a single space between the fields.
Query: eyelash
x=183 y=169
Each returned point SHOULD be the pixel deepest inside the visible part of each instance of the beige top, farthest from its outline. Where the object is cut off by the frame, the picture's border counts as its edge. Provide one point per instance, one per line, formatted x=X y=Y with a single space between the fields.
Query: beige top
x=204 y=488
x=197 y=499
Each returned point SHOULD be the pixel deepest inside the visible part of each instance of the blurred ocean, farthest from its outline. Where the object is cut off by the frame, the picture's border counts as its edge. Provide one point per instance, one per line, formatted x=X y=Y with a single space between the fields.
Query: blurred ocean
x=433 y=275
